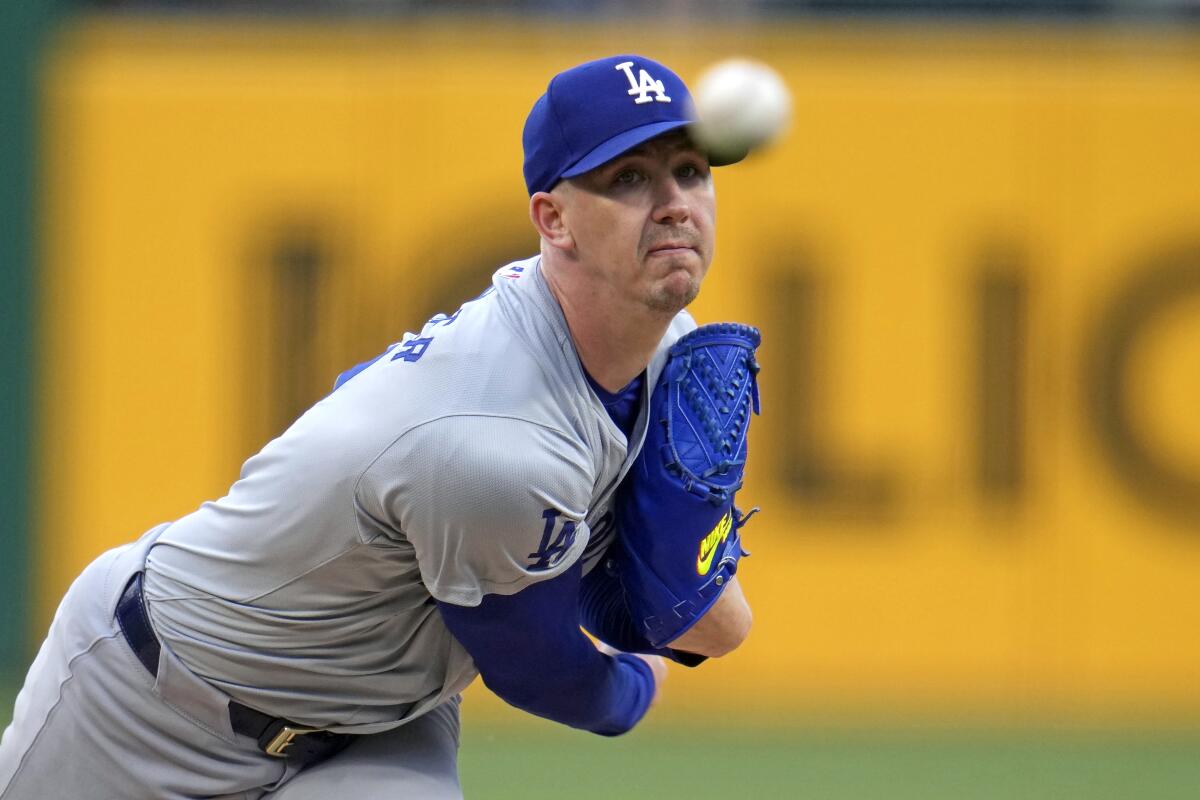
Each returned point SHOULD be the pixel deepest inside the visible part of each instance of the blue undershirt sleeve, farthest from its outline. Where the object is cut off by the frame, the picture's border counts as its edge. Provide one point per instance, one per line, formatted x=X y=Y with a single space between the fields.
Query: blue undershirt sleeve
x=530 y=651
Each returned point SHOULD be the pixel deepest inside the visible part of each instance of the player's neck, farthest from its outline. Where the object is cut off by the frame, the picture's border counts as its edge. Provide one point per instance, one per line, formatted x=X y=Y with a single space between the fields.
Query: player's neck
x=614 y=343
x=613 y=356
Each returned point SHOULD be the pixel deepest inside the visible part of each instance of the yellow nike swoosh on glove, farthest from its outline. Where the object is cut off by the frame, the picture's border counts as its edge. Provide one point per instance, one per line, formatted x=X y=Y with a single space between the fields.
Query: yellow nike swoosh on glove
x=708 y=545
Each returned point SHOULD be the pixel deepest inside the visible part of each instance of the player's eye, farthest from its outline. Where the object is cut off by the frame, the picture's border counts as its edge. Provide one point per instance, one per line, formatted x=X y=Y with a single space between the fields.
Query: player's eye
x=690 y=170
x=627 y=177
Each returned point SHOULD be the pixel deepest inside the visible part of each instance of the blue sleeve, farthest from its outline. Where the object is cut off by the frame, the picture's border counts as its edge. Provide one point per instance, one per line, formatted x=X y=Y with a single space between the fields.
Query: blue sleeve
x=604 y=611
x=530 y=651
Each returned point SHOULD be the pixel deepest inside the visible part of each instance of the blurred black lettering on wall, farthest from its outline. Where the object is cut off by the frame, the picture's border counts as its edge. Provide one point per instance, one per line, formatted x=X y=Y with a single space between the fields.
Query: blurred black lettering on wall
x=1155 y=286
x=287 y=274
x=808 y=466
x=1001 y=356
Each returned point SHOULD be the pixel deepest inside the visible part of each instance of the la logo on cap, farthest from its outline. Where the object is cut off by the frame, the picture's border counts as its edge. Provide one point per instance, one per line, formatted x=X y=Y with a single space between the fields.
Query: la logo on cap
x=643 y=85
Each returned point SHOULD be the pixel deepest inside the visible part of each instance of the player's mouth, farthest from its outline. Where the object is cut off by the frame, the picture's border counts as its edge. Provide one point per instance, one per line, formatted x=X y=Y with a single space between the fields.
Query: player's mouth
x=671 y=248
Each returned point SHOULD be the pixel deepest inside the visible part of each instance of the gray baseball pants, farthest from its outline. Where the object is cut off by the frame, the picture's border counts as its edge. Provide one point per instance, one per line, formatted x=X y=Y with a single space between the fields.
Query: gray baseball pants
x=91 y=723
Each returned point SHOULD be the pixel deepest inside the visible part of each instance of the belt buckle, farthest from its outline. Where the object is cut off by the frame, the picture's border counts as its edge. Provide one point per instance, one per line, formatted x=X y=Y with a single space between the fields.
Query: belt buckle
x=280 y=742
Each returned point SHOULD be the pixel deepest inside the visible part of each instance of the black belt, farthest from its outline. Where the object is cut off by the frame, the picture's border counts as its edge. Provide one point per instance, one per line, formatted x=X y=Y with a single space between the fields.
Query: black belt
x=275 y=736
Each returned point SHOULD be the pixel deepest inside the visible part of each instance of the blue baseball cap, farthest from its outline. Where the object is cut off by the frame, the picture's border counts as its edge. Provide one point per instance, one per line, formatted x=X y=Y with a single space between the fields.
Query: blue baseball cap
x=594 y=112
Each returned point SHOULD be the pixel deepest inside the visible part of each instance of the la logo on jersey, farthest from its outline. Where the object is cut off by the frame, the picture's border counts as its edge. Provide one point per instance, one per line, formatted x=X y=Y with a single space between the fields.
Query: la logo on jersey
x=643 y=85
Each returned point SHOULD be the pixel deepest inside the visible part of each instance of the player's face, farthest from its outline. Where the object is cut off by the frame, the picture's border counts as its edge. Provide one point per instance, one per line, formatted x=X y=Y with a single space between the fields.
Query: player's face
x=644 y=222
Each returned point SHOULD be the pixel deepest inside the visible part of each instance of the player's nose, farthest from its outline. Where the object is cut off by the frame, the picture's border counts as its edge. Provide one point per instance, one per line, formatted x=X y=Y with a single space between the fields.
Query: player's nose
x=670 y=202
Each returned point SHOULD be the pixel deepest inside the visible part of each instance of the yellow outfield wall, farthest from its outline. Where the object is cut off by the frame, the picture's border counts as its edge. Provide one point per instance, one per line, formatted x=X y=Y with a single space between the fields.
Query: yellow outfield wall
x=975 y=261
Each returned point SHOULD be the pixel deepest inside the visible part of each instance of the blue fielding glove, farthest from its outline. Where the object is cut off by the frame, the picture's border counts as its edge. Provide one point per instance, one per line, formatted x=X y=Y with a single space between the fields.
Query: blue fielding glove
x=678 y=542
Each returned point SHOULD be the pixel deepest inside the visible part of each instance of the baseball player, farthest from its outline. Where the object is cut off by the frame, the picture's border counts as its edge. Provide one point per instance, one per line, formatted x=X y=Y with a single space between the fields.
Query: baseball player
x=459 y=505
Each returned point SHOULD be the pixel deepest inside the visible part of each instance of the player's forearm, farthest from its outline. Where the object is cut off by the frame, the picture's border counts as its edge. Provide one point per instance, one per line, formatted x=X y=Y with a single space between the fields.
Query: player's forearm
x=723 y=629
x=607 y=696
x=529 y=650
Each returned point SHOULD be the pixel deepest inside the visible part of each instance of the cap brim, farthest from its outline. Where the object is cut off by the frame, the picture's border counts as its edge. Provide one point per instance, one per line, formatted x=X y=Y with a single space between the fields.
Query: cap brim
x=632 y=138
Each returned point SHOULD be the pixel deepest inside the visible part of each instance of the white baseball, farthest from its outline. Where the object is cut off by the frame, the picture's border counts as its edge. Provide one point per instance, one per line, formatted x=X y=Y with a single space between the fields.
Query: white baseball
x=740 y=105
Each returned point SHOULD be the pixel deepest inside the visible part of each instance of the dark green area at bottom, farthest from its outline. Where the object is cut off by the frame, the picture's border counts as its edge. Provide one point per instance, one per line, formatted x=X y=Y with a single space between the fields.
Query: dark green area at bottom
x=664 y=762
x=24 y=29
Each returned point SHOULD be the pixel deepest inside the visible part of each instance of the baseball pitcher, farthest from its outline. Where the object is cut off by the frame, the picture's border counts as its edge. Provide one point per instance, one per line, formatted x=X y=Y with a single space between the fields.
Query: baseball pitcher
x=562 y=451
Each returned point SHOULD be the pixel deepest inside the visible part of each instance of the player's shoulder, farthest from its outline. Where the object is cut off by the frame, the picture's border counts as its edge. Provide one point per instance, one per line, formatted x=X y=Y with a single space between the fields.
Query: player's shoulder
x=503 y=351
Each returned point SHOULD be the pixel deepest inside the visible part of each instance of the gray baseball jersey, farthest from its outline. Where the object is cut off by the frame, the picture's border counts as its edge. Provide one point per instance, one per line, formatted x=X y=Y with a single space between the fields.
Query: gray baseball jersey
x=471 y=458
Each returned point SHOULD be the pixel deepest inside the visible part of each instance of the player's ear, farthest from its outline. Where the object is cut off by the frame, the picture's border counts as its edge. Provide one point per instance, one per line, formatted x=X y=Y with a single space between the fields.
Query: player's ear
x=546 y=213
